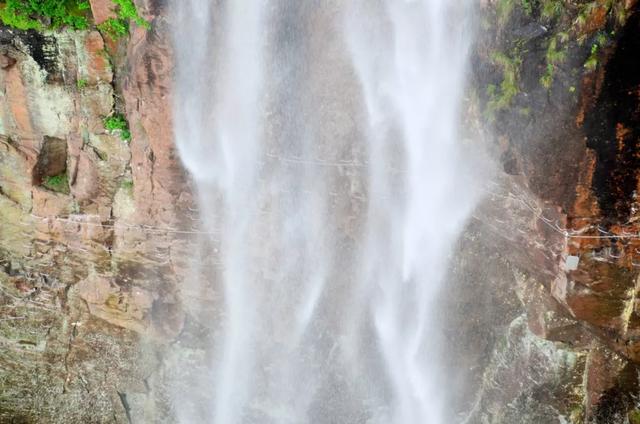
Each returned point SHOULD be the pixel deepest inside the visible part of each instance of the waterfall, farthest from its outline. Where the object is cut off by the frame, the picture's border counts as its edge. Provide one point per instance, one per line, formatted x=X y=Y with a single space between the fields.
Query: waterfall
x=323 y=139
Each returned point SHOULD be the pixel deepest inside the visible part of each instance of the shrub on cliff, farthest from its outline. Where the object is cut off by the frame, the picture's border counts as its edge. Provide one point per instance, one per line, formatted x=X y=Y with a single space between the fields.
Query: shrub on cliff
x=42 y=14
x=58 y=183
x=118 y=124
x=119 y=26
x=52 y=14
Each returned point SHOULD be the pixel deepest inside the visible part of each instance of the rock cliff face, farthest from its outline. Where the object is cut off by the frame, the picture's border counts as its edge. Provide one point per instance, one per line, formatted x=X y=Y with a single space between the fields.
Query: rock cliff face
x=95 y=231
x=552 y=319
x=89 y=223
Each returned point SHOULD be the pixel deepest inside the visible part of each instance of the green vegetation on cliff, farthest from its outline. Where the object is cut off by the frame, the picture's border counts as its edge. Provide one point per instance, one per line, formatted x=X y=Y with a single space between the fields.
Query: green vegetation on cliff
x=556 y=54
x=127 y=185
x=118 y=27
x=500 y=97
x=76 y=14
x=115 y=28
x=118 y=124
x=569 y=37
x=57 y=183
x=127 y=11
x=592 y=61
x=42 y=14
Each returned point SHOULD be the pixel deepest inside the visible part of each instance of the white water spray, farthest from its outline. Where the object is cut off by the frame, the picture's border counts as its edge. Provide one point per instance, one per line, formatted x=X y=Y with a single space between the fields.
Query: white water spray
x=323 y=140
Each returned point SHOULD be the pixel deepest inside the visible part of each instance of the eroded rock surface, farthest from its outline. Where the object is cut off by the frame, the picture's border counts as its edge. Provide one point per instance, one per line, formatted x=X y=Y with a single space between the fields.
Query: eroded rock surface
x=89 y=226
x=560 y=91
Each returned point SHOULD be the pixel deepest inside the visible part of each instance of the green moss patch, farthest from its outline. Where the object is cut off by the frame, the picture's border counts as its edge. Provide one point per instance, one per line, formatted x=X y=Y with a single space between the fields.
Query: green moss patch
x=118 y=124
x=58 y=183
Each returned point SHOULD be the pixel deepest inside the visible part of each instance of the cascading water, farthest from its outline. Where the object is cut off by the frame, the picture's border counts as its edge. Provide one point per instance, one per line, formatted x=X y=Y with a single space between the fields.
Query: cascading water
x=322 y=138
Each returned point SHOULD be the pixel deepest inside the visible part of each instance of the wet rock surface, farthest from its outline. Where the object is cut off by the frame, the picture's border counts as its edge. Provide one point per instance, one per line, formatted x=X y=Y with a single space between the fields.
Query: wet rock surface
x=560 y=93
x=88 y=227
x=92 y=286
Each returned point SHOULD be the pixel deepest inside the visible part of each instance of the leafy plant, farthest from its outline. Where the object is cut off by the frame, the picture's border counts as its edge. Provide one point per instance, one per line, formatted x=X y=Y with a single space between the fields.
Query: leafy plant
x=527 y=6
x=118 y=27
x=584 y=14
x=127 y=10
x=53 y=14
x=555 y=56
x=547 y=79
x=43 y=14
x=500 y=97
x=118 y=124
x=504 y=9
x=81 y=83
x=14 y=18
x=115 y=28
x=592 y=61
x=58 y=183
x=551 y=9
